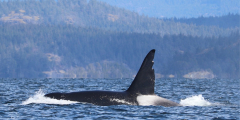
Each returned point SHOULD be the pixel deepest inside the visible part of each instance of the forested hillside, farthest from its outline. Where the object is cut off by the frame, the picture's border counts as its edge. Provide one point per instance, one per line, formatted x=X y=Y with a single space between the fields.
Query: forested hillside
x=91 y=39
x=99 y=15
x=41 y=50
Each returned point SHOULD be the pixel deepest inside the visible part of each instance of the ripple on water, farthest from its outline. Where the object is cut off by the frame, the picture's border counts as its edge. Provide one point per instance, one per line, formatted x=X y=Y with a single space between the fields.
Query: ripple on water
x=13 y=93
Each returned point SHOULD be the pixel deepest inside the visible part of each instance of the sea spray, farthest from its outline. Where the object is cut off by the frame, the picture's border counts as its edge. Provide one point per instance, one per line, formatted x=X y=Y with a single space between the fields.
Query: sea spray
x=196 y=100
x=40 y=98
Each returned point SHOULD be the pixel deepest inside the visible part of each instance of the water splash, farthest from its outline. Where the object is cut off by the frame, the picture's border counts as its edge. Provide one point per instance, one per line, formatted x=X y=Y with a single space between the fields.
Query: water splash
x=196 y=100
x=39 y=98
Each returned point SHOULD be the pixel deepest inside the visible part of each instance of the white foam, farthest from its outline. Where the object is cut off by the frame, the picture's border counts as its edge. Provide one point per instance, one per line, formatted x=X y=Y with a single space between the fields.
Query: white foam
x=39 y=98
x=197 y=100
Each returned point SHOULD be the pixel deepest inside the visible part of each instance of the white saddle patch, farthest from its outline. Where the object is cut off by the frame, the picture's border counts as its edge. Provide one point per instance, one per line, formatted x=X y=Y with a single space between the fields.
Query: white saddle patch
x=146 y=100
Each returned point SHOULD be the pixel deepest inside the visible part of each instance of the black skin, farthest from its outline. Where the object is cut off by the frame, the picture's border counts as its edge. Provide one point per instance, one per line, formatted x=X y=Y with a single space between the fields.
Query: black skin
x=102 y=98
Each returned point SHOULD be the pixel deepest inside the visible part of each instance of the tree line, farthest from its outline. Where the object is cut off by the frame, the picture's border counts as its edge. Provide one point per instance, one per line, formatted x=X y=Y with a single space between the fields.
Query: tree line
x=29 y=50
x=226 y=21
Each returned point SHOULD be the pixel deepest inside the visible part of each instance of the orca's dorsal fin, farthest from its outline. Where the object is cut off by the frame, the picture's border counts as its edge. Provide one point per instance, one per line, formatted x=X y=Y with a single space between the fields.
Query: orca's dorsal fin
x=144 y=81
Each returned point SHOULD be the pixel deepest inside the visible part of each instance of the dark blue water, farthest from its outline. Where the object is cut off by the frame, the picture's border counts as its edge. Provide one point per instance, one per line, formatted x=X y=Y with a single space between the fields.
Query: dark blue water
x=201 y=99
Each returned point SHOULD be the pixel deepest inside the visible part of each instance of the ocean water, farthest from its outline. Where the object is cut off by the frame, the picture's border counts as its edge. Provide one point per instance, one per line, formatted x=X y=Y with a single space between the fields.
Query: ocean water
x=214 y=99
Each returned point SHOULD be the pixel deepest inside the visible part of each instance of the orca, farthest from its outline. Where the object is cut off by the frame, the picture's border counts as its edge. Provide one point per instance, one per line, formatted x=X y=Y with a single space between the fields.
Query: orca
x=140 y=92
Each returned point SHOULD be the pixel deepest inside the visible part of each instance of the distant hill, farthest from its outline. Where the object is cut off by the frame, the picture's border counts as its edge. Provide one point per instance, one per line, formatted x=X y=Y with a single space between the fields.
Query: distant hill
x=92 y=39
x=98 y=15
x=178 y=8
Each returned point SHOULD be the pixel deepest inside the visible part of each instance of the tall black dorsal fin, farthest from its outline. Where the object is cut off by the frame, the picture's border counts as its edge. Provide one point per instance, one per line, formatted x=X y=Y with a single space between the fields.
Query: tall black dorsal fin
x=145 y=79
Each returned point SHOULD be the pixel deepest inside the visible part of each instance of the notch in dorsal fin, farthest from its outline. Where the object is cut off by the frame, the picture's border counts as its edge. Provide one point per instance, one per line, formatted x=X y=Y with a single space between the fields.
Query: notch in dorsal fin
x=144 y=81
